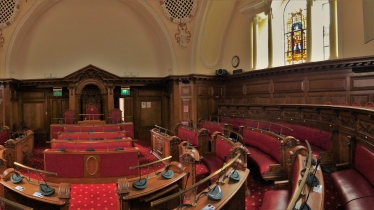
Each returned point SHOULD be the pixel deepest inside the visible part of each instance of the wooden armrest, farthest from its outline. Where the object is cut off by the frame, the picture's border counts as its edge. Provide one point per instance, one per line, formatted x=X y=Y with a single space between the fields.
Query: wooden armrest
x=341 y=166
x=281 y=185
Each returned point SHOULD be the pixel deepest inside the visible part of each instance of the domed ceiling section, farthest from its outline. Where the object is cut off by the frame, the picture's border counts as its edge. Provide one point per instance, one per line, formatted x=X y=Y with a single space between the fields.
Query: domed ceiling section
x=114 y=35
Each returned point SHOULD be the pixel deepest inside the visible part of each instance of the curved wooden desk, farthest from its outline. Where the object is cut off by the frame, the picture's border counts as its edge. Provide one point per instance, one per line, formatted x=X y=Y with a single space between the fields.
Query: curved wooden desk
x=8 y=190
x=157 y=186
x=233 y=196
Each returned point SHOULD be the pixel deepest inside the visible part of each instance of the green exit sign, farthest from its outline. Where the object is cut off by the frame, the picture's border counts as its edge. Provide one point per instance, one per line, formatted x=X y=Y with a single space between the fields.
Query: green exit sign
x=57 y=93
x=125 y=92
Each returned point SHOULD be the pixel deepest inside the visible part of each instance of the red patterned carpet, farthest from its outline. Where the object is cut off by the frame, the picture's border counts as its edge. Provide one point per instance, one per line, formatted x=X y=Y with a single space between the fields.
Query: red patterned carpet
x=103 y=196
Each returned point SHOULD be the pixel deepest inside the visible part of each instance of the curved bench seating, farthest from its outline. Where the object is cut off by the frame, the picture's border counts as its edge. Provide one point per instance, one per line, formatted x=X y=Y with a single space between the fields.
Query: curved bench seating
x=198 y=138
x=356 y=184
x=91 y=135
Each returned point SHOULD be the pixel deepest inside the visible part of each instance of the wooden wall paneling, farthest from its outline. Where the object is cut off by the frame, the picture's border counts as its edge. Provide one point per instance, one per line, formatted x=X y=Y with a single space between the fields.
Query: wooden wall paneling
x=343 y=148
x=361 y=98
x=316 y=98
x=330 y=84
x=279 y=99
x=33 y=114
x=288 y=87
x=203 y=90
x=263 y=99
x=204 y=107
x=365 y=82
x=128 y=109
x=261 y=88
x=55 y=110
x=337 y=98
x=296 y=98
x=150 y=115
x=2 y=110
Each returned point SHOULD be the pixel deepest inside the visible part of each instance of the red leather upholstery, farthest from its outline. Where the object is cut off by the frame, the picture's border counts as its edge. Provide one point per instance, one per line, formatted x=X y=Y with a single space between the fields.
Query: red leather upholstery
x=364 y=162
x=213 y=163
x=128 y=128
x=263 y=142
x=92 y=136
x=69 y=117
x=4 y=136
x=187 y=134
x=107 y=128
x=95 y=145
x=260 y=159
x=352 y=185
x=212 y=127
x=275 y=199
x=360 y=203
x=92 y=112
x=115 y=116
x=357 y=184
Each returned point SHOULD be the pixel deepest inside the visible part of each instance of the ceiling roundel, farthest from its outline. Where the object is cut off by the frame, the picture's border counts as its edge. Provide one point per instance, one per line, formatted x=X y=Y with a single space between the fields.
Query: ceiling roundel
x=8 y=12
x=179 y=11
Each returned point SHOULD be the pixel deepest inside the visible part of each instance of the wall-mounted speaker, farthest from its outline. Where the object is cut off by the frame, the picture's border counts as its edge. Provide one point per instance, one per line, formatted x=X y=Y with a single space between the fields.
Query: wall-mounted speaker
x=222 y=72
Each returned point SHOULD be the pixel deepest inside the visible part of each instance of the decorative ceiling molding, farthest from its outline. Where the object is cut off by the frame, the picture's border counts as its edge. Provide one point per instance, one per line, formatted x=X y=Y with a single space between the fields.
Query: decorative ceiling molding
x=256 y=6
x=8 y=12
x=181 y=11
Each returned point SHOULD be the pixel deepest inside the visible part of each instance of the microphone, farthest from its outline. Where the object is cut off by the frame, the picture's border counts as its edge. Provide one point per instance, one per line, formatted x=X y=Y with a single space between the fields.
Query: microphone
x=167 y=174
x=312 y=180
x=60 y=149
x=90 y=149
x=215 y=194
x=142 y=183
x=44 y=188
x=234 y=174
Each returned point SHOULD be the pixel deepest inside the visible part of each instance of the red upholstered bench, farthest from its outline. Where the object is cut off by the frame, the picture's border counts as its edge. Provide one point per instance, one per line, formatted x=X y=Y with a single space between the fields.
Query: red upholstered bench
x=198 y=138
x=215 y=126
x=91 y=135
x=357 y=184
x=82 y=145
x=264 y=149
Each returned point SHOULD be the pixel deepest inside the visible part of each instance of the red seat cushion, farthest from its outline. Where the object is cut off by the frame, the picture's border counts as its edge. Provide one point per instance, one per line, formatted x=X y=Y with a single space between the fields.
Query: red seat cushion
x=213 y=163
x=275 y=199
x=352 y=185
x=261 y=159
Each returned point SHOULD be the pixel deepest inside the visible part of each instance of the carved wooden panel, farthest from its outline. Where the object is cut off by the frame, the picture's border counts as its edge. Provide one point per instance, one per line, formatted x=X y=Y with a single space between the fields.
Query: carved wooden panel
x=256 y=89
x=279 y=99
x=33 y=95
x=33 y=114
x=288 y=87
x=343 y=145
x=362 y=83
x=186 y=91
x=263 y=100
x=257 y=113
x=150 y=93
x=203 y=91
x=296 y=99
x=338 y=99
x=242 y=112
x=335 y=84
x=128 y=110
x=316 y=99
x=362 y=99
x=217 y=91
x=203 y=111
x=366 y=128
x=151 y=114
x=92 y=166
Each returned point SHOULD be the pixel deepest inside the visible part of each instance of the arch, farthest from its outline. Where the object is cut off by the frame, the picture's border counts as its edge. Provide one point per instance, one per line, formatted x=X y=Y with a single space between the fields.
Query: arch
x=39 y=7
x=84 y=83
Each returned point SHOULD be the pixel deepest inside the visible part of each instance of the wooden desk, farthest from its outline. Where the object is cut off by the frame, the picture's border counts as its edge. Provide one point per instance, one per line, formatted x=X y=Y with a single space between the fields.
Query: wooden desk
x=164 y=145
x=233 y=196
x=157 y=186
x=316 y=199
x=8 y=190
x=19 y=150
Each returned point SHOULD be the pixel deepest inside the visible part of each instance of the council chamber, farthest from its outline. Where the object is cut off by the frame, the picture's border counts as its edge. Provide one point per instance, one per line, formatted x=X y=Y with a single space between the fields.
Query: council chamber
x=188 y=104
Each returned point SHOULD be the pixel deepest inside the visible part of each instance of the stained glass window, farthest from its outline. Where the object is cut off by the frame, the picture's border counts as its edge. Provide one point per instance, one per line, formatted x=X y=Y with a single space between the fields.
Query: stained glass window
x=295 y=36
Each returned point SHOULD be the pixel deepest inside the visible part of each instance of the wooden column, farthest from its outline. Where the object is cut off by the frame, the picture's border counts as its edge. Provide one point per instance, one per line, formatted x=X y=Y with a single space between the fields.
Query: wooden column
x=309 y=30
x=110 y=97
x=72 y=97
x=270 y=37
x=333 y=30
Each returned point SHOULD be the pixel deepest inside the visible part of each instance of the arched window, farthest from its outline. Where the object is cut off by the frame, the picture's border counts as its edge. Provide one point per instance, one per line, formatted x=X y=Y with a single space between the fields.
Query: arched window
x=295 y=40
